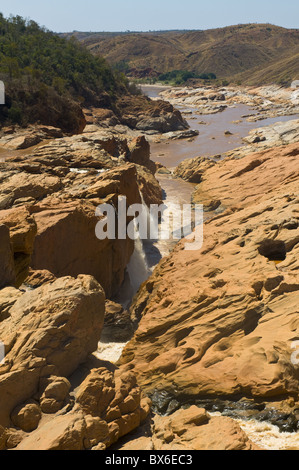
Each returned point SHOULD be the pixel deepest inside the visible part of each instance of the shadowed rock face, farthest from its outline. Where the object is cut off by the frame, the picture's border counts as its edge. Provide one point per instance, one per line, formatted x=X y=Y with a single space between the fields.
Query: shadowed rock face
x=140 y=153
x=66 y=242
x=22 y=230
x=7 y=275
x=221 y=321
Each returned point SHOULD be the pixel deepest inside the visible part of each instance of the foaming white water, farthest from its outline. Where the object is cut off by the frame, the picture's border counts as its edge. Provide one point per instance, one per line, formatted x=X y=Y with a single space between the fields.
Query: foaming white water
x=266 y=435
x=110 y=352
x=176 y=193
x=83 y=171
x=150 y=246
x=137 y=268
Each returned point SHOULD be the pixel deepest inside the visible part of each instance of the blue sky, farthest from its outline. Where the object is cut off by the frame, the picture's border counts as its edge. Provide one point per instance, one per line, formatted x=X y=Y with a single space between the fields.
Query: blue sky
x=122 y=15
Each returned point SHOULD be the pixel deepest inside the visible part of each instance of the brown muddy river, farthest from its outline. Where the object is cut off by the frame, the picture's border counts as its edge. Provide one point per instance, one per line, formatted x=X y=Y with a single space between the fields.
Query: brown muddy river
x=211 y=139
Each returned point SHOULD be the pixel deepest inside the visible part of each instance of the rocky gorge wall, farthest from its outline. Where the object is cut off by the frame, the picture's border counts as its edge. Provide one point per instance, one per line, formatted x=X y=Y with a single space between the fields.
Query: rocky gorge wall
x=214 y=328
x=49 y=204
x=55 y=277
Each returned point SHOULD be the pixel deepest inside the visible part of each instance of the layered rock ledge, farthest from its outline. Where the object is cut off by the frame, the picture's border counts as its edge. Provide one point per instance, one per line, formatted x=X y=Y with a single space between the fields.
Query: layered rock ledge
x=49 y=196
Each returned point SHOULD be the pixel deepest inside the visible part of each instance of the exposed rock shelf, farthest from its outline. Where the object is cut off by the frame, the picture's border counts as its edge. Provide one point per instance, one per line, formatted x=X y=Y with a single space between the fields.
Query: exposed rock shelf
x=221 y=321
x=50 y=209
x=267 y=101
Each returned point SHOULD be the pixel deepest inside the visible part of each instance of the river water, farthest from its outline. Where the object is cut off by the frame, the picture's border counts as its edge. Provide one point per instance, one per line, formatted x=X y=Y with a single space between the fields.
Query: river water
x=211 y=139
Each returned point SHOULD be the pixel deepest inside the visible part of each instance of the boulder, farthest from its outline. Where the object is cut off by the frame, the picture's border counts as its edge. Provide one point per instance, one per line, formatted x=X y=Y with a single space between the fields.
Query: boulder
x=191 y=429
x=118 y=326
x=192 y=169
x=8 y=296
x=140 y=153
x=23 y=142
x=67 y=432
x=49 y=331
x=18 y=185
x=37 y=278
x=27 y=416
x=108 y=405
x=114 y=397
x=150 y=116
x=56 y=390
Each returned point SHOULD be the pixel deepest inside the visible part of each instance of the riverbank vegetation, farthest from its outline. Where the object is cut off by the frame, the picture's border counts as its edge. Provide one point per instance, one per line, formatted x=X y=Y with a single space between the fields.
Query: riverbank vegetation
x=49 y=78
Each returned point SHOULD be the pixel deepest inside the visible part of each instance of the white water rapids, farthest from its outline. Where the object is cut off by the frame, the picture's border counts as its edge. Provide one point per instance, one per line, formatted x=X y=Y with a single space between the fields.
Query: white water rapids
x=266 y=435
x=137 y=268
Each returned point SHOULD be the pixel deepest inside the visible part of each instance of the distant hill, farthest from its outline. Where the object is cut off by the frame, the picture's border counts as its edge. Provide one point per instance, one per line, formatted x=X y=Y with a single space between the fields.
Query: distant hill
x=250 y=54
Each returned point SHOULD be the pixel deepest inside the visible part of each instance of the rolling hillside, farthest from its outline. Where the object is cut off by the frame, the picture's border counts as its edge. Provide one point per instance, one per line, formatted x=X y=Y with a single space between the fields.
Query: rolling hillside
x=235 y=53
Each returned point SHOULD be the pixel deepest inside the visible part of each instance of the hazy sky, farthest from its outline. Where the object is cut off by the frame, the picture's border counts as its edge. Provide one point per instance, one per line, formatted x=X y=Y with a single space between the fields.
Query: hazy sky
x=140 y=15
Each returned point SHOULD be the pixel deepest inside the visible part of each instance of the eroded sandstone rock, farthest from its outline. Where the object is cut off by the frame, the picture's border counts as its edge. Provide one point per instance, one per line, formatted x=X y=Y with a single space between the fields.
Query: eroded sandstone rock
x=151 y=116
x=66 y=241
x=27 y=416
x=191 y=429
x=116 y=398
x=192 y=170
x=107 y=405
x=55 y=392
x=49 y=199
x=55 y=395
x=140 y=153
x=16 y=186
x=20 y=139
x=221 y=321
x=49 y=331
